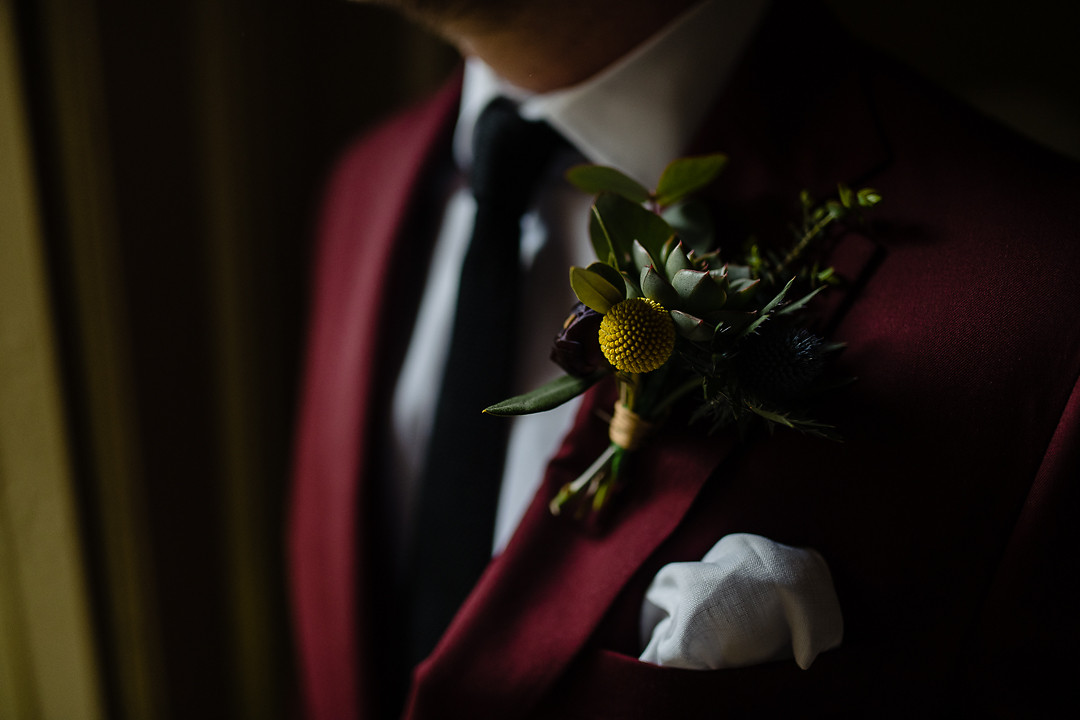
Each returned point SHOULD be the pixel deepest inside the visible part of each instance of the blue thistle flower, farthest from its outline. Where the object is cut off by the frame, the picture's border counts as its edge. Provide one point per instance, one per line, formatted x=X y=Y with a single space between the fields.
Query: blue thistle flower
x=781 y=362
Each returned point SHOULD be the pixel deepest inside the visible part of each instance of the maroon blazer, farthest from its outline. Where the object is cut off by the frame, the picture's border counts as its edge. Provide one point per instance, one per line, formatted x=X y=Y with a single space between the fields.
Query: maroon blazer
x=947 y=515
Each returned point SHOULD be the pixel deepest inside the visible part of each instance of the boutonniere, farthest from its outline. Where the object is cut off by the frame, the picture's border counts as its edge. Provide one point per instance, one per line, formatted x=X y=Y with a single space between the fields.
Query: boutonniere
x=674 y=319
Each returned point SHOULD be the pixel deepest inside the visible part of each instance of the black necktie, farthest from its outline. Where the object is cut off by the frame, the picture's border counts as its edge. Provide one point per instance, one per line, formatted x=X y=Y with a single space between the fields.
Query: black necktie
x=455 y=518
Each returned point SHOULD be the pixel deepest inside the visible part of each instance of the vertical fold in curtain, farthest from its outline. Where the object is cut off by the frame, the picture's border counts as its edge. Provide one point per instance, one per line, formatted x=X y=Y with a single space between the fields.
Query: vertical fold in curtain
x=48 y=651
x=181 y=149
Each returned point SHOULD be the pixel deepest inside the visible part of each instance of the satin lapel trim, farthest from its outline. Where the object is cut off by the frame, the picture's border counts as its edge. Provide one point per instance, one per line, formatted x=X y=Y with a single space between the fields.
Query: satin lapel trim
x=364 y=213
x=547 y=593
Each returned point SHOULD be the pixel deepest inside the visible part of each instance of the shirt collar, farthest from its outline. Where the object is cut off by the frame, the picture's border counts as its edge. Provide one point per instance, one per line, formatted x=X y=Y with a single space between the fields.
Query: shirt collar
x=641 y=112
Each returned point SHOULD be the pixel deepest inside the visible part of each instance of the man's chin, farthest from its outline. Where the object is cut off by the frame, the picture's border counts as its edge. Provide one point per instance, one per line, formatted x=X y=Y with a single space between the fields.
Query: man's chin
x=439 y=14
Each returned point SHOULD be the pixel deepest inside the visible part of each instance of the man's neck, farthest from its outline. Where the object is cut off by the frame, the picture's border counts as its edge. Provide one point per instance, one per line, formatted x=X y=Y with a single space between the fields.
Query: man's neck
x=548 y=45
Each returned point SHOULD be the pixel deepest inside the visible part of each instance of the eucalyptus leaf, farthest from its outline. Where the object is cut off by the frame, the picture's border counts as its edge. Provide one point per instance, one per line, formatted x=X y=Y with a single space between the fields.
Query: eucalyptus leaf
x=610 y=274
x=685 y=175
x=546 y=397
x=596 y=179
x=625 y=222
x=694 y=224
x=594 y=290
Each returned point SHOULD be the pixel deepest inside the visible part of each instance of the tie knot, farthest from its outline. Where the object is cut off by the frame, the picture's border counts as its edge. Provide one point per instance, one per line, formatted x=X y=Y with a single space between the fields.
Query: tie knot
x=509 y=153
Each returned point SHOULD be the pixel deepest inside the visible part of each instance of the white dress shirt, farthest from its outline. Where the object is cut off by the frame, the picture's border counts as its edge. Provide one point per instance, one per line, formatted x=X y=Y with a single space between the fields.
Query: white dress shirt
x=637 y=116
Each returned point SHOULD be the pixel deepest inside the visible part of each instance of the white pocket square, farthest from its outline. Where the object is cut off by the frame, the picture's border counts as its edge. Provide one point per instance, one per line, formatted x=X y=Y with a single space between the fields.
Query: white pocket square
x=750 y=600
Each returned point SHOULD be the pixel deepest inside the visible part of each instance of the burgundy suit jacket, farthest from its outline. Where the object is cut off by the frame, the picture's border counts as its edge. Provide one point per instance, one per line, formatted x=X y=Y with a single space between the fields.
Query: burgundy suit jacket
x=947 y=515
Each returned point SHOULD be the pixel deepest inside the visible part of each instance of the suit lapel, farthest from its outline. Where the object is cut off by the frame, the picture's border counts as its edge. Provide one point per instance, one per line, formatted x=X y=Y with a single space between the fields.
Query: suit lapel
x=363 y=217
x=539 y=603
x=798 y=114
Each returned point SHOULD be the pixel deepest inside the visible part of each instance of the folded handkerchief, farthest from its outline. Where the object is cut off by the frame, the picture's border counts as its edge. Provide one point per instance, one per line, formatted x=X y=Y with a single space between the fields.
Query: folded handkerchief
x=750 y=600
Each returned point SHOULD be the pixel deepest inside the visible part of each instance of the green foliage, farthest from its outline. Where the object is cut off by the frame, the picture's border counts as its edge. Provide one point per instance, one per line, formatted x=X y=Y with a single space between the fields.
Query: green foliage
x=692 y=328
x=676 y=261
x=655 y=287
x=601 y=239
x=596 y=179
x=844 y=194
x=595 y=290
x=800 y=303
x=613 y=276
x=693 y=223
x=868 y=197
x=624 y=222
x=698 y=291
x=642 y=258
x=794 y=422
x=741 y=292
x=680 y=178
x=687 y=175
x=737 y=348
x=734 y=318
x=546 y=397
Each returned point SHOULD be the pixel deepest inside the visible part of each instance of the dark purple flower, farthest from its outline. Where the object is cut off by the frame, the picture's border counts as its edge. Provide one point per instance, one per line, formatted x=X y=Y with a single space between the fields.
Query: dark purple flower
x=577 y=348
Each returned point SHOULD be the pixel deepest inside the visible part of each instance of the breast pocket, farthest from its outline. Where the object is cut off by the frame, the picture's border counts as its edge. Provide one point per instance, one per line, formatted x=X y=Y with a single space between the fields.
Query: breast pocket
x=605 y=684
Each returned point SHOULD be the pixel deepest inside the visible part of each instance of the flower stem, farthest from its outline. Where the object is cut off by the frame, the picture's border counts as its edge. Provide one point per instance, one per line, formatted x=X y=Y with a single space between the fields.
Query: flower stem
x=599 y=474
x=677 y=394
x=800 y=246
x=628 y=387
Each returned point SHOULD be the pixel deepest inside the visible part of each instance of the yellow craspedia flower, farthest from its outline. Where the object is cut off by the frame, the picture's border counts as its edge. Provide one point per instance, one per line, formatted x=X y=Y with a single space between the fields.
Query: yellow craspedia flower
x=637 y=335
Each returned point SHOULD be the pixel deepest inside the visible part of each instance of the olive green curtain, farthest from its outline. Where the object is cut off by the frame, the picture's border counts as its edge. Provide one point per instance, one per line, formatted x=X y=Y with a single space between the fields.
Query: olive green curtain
x=178 y=151
x=47 y=666
x=159 y=174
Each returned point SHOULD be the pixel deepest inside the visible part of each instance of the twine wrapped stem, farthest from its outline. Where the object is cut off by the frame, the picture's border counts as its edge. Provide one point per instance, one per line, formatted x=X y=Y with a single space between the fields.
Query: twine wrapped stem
x=627 y=428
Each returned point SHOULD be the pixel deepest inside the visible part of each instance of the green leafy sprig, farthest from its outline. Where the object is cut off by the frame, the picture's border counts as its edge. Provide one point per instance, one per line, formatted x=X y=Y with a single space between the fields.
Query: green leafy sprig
x=737 y=347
